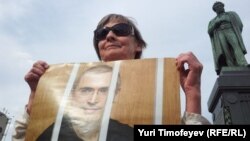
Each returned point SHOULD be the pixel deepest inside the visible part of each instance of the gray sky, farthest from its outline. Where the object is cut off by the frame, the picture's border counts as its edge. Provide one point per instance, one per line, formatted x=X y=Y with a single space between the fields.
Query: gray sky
x=61 y=31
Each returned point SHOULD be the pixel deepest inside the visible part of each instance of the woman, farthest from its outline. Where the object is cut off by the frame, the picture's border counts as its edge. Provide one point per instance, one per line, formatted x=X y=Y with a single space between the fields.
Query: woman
x=117 y=38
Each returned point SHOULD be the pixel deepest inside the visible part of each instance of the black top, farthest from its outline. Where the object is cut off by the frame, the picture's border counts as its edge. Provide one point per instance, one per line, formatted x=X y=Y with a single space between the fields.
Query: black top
x=116 y=132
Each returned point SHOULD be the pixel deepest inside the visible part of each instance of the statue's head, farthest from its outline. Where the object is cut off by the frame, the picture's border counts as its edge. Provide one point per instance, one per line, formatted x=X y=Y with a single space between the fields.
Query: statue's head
x=218 y=6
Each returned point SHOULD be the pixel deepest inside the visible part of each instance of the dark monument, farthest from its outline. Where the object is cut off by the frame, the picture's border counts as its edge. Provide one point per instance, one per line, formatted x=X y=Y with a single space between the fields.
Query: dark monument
x=225 y=33
x=229 y=101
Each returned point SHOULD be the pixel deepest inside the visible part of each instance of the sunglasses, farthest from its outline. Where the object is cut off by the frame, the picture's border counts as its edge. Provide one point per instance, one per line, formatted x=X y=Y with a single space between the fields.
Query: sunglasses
x=121 y=29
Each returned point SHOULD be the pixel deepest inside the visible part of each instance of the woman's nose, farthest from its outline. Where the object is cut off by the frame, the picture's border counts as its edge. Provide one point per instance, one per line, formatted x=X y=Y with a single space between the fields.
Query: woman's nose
x=111 y=36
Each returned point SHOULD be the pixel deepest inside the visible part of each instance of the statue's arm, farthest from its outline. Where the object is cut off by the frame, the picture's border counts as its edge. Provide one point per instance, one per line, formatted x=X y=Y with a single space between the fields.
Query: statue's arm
x=211 y=28
x=238 y=20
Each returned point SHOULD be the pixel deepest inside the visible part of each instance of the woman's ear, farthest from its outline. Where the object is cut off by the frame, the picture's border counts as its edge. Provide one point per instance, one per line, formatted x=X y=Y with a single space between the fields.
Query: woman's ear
x=138 y=47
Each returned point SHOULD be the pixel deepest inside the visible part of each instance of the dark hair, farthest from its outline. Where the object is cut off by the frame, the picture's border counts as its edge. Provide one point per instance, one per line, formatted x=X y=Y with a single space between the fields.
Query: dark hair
x=96 y=69
x=120 y=18
x=217 y=3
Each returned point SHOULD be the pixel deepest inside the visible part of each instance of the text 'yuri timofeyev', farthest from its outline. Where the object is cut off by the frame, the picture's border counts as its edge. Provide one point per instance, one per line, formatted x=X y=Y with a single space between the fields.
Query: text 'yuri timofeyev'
x=165 y=132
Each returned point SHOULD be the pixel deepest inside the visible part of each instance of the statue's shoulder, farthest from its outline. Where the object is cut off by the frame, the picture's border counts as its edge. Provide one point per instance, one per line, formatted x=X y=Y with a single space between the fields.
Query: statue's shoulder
x=231 y=13
x=213 y=19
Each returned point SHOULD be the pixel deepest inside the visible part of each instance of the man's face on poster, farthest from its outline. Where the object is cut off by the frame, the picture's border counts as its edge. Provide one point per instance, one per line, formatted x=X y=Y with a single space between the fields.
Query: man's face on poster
x=89 y=98
x=91 y=93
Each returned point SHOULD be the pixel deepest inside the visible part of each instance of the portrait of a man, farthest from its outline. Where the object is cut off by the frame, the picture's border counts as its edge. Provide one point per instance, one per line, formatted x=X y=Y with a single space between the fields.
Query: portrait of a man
x=83 y=114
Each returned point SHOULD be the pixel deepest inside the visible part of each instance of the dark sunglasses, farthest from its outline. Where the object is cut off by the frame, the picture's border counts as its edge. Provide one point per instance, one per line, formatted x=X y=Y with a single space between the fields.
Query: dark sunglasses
x=121 y=29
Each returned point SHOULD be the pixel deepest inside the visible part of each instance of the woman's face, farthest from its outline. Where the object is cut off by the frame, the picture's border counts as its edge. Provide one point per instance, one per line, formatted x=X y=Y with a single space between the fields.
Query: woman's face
x=115 y=47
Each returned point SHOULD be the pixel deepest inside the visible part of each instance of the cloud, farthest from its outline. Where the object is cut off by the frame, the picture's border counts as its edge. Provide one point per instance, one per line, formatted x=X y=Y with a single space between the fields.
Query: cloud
x=61 y=31
x=12 y=51
x=13 y=9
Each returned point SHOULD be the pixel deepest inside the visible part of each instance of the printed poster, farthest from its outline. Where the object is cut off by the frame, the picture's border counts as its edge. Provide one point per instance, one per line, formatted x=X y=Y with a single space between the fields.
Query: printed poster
x=101 y=101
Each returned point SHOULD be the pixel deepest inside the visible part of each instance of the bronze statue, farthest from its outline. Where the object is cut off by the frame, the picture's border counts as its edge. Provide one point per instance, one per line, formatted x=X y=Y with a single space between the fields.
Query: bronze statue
x=225 y=33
